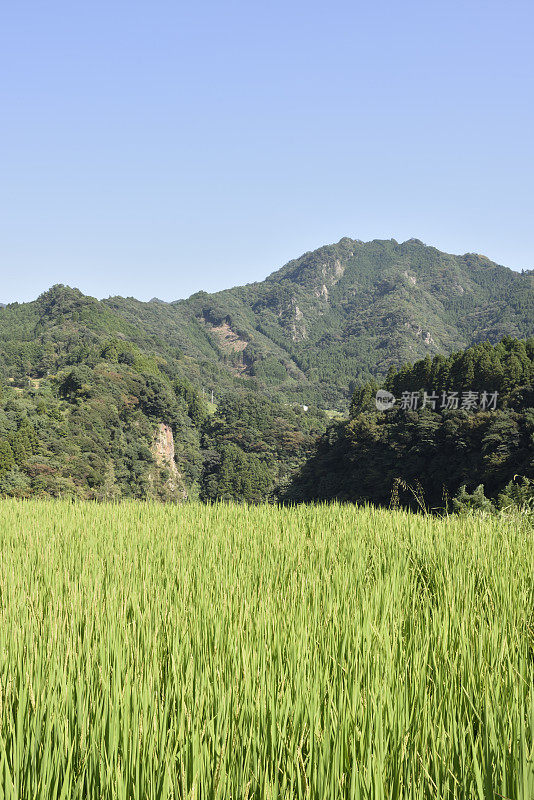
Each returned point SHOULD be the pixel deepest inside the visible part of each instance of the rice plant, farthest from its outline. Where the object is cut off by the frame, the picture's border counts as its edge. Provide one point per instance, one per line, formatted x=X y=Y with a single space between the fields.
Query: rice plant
x=226 y=651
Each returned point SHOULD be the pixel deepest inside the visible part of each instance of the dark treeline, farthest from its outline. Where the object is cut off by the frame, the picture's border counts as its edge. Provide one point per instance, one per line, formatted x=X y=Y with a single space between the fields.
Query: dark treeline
x=438 y=457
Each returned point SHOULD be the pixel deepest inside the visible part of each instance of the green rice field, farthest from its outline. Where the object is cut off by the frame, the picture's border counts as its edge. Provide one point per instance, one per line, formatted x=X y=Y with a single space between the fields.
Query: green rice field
x=226 y=651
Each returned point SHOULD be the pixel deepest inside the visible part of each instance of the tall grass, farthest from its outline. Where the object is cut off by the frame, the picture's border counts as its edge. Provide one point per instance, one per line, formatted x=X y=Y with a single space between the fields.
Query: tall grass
x=150 y=651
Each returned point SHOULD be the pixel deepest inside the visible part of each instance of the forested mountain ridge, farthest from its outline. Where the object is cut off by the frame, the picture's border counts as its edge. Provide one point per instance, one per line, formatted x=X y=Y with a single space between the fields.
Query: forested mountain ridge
x=349 y=311
x=310 y=332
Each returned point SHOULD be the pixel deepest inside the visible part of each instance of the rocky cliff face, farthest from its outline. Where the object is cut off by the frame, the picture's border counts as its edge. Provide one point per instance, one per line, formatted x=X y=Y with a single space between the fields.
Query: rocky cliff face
x=163 y=451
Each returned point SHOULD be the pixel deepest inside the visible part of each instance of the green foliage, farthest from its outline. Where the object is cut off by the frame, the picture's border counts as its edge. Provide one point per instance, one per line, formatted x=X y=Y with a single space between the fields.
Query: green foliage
x=196 y=407
x=518 y=494
x=375 y=453
x=91 y=432
x=505 y=368
x=363 y=398
x=7 y=459
x=14 y=483
x=254 y=445
x=240 y=475
x=75 y=385
x=465 y=501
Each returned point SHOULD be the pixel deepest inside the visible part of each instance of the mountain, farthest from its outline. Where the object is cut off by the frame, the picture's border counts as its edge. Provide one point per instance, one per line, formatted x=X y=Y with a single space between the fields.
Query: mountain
x=110 y=398
x=341 y=314
x=310 y=332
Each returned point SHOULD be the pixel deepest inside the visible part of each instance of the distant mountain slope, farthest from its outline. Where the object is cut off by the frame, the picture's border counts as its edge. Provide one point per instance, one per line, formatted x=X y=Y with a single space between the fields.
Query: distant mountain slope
x=311 y=331
x=345 y=312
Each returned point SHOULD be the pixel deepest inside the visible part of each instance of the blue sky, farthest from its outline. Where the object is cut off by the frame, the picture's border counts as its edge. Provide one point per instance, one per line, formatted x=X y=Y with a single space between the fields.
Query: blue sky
x=157 y=148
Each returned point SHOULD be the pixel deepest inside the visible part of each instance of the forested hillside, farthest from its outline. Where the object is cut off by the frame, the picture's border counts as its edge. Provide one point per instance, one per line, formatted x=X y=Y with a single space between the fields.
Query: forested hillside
x=116 y=427
x=460 y=433
x=347 y=312
x=111 y=398
x=310 y=333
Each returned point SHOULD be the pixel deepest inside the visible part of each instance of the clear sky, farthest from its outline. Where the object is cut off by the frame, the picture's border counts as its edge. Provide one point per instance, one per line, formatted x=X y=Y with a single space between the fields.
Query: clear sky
x=157 y=148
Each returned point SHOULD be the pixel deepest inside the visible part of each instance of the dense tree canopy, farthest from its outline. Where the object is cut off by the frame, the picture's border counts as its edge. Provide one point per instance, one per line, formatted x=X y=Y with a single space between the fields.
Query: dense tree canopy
x=425 y=456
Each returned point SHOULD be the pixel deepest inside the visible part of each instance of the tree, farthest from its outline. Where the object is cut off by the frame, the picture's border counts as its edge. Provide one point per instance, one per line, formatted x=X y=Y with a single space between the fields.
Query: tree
x=363 y=398
x=240 y=476
x=474 y=501
x=196 y=408
x=7 y=459
x=75 y=385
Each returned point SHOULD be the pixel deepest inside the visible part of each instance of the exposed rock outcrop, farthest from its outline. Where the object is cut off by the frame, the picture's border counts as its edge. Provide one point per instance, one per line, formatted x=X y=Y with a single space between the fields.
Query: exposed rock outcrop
x=163 y=451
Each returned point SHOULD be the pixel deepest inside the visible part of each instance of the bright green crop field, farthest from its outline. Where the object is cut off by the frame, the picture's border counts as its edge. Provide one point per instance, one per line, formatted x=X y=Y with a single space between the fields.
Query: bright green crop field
x=151 y=651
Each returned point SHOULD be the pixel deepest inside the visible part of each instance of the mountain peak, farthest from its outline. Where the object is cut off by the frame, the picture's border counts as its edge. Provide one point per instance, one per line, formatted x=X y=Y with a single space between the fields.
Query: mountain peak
x=62 y=300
